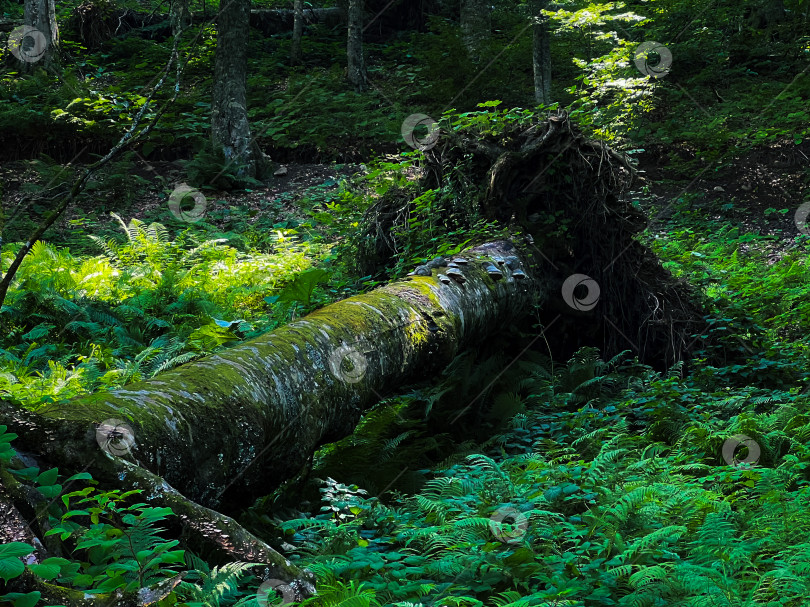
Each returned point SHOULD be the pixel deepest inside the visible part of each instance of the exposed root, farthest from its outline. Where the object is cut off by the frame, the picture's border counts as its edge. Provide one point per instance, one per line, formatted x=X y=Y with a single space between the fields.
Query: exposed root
x=571 y=195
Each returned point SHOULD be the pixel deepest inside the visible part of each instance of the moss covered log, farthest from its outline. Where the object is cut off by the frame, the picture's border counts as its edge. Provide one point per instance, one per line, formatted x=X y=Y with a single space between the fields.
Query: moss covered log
x=233 y=426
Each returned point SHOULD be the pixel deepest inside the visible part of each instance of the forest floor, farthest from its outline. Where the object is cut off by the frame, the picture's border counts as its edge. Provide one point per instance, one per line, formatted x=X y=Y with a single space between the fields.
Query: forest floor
x=145 y=198
x=758 y=191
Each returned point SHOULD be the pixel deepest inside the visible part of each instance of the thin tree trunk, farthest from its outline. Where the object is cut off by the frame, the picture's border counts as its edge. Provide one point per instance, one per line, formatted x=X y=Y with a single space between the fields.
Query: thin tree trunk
x=278 y=21
x=230 y=128
x=180 y=16
x=298 y=30
x=476 y=26
x=356 y=68
x=39 y=38
x=541 y=55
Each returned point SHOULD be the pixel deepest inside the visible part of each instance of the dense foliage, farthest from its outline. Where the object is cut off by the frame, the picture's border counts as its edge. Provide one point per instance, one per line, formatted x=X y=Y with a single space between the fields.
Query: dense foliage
x=582 y=482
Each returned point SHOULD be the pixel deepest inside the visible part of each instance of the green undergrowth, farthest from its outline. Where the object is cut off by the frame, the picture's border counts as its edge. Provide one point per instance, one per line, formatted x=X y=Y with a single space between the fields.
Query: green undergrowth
x=601 y=483
x=614 y=485
x=587 y=483
x=590 y=483
x=757 y=287
x=105 y=545
x=143 y=304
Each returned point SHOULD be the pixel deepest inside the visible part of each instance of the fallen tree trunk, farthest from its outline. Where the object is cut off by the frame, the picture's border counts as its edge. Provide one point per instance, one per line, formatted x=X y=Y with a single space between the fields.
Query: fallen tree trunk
x=235 y=425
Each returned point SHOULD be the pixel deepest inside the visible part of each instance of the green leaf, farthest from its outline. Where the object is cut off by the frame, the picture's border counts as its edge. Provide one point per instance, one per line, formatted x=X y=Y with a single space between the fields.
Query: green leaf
x=50 y=490
x=67 y=569
x=124 y=566
x=70 y=513
x=48 y=477
x=46 y=572
x=301 y=288
x=112 y=583
x=10 y=568
x=81 y=476
x=38 y=332
x=84 y=579
x=15 y=549
x=18 y=599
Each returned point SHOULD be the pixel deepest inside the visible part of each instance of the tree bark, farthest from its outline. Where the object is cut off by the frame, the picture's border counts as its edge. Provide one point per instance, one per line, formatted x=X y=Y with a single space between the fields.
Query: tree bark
x=356 y=66
x=298 y=30
x=765 y=14
x=39 y=41
x=476 y=26
x=179 y=16
x=230 y=128
x=541 y=55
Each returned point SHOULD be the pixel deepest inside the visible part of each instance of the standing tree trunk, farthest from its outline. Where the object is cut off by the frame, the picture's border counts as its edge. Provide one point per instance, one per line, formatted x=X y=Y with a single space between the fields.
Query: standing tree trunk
x=298 y=31
x=764 y=14
x=180 y=16
x=356 y=68
x=476 y=26
x=541 y=54
x=230 y=129
x=39 y=36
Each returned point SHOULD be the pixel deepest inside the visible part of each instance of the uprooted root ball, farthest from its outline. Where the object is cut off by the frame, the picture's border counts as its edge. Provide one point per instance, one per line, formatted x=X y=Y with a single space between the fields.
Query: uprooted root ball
x=570 y=195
